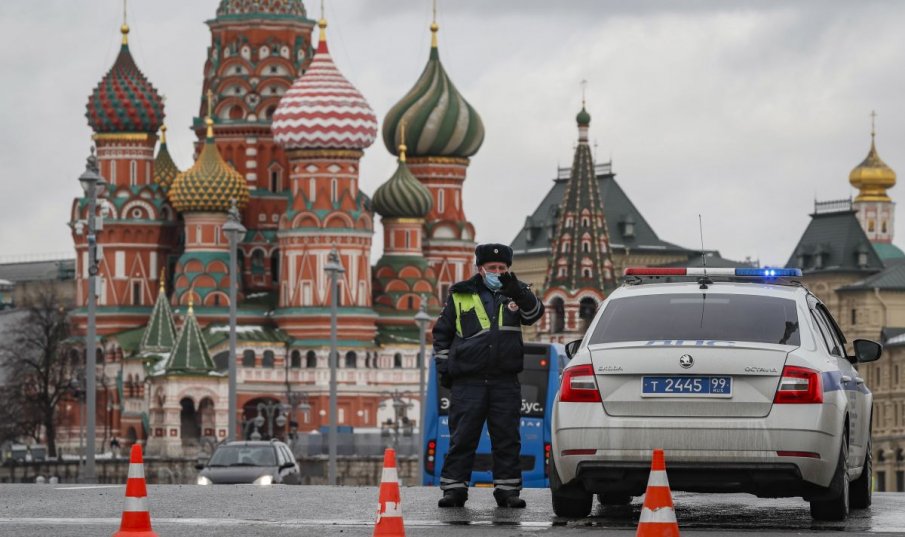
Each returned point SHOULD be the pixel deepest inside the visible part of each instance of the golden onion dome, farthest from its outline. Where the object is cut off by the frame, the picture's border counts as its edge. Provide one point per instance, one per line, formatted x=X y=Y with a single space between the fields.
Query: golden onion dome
x=872 y=177
x=210 y=184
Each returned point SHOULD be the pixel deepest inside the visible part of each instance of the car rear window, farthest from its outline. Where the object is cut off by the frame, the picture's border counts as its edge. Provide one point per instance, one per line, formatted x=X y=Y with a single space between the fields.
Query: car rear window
x=692 y=317
x=244 y=456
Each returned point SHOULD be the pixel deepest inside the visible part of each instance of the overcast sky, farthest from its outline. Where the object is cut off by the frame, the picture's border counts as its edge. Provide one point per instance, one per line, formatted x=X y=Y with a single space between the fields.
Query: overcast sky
x=744 y=112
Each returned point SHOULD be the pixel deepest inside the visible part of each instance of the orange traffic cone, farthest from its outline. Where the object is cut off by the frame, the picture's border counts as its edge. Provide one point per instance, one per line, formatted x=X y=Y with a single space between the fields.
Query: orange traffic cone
x=136 y=521
x=389 y=511
x=658 y=517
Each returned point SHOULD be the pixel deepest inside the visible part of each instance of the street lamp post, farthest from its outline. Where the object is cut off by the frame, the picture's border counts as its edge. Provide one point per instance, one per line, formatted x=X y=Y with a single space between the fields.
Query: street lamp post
x=233 y=228
x=400 y=419
x=91 y=182
x=334 y=268
x=423 y=320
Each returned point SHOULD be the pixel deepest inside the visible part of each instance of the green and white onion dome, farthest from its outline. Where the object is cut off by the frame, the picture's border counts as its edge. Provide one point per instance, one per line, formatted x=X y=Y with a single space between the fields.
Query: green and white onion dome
x=439 y=122
x=402 y=196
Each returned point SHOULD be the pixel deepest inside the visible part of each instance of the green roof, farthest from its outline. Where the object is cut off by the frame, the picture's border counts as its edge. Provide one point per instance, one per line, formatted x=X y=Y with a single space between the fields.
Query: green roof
x=888 y=251
x=190 y=353
x=626 y=225
x=834 y=241
x=160 y=333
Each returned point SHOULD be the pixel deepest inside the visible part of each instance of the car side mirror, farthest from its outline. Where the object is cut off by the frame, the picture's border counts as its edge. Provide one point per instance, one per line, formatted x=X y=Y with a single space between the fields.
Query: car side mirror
x=572 y=348
x=867 y=350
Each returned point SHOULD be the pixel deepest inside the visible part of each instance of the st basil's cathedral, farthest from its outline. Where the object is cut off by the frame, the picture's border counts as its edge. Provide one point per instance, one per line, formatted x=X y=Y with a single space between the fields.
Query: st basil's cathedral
x=280 y=135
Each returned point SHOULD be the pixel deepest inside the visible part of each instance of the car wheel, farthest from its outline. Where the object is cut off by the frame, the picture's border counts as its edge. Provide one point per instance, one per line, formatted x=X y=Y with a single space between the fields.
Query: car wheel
x=568 y=502
x=836 y=506
x=860 y=489
x=614 y=499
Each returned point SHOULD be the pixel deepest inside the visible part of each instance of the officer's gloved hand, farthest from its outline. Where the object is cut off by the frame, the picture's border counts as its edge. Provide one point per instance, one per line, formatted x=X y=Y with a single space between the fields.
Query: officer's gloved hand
x=445 y=381
x=511 y=286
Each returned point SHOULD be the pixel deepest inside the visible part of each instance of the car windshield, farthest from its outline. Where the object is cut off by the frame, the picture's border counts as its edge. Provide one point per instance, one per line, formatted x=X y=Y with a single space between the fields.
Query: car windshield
x=244 y=456
x=693 y=317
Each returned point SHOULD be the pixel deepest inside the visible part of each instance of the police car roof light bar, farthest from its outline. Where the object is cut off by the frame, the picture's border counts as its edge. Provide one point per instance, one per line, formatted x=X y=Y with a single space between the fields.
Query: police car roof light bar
x=747 y=272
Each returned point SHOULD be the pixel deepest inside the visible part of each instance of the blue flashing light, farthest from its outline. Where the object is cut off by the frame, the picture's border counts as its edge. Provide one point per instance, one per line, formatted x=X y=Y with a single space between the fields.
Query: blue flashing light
x=768 y=272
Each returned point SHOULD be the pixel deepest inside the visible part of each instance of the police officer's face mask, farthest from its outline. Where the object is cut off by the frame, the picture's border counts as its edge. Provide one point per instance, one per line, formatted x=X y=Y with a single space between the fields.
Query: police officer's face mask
x=492 y=280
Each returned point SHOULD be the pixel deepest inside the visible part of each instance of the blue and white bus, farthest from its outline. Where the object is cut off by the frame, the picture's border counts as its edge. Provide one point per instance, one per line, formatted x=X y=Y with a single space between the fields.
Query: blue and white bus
x=543 y=364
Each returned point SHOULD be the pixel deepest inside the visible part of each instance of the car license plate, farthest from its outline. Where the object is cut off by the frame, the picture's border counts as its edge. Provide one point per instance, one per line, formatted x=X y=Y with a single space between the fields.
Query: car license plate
x=678 y=386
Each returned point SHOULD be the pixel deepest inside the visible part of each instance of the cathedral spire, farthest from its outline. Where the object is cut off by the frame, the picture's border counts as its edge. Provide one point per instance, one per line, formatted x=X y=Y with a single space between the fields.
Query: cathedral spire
x=580 y=272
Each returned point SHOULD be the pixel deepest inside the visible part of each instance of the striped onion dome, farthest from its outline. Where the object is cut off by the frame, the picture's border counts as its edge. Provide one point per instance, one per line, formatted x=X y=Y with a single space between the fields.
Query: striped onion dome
x=322 y=110
x=439 y=122
x=165 y=170
x=124 y=100
x=210 y=184
x=402 y=196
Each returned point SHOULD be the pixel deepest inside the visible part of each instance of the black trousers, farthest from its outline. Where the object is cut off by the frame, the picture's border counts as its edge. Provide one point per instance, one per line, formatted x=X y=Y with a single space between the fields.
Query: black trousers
x=499 y=403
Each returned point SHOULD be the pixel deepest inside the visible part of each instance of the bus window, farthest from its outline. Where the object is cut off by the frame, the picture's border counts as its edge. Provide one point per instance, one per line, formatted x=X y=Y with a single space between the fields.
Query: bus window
x=534 y=380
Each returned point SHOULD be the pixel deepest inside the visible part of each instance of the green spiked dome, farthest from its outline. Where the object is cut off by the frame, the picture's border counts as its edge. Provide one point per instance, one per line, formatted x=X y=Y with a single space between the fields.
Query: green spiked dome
x=190 y=353
x=439 y=122
x=402 y=196
x=124 y=100
x=160 y=334
x=165 y=170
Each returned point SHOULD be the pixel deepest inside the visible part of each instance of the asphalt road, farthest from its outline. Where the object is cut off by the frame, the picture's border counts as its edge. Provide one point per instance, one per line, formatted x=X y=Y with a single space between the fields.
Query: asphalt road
x=222 y=511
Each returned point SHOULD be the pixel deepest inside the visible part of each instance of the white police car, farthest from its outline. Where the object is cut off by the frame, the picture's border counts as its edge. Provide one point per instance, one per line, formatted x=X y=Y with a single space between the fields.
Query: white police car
x=739 y=374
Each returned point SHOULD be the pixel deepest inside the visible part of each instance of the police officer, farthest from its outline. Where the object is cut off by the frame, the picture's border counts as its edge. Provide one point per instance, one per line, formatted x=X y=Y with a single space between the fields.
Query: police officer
x=479 y=353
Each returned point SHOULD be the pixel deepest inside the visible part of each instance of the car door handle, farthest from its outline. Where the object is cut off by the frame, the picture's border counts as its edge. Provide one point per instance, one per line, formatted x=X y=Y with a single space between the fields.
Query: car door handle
x=846 y=378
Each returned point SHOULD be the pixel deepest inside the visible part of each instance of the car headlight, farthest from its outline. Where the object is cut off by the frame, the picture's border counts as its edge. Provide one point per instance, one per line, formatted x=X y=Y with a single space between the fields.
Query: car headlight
x=203 y=480
x=264 y=480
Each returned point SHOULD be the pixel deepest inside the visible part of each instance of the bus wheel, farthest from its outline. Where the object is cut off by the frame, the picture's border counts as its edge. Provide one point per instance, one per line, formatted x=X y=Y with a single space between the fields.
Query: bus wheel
x=614 y=499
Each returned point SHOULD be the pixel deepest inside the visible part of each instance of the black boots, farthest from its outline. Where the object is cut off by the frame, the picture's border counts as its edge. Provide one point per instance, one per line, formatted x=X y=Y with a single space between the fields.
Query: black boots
x=508 y=499
x=458 y=497
x=453 y=498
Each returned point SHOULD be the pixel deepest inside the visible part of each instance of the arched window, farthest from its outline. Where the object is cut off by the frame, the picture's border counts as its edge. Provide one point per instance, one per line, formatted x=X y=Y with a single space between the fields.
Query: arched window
x=558 y=317
x=334 y=190
x=351 y=360
x=257 y=262
x=586 y=246
x=296 y=361
x=268 y=359
x=441 y=201
x=310 y=360
x=248 y=358
x=587 y=308
x=565 y=247
x=585 y=221
x=397 y=361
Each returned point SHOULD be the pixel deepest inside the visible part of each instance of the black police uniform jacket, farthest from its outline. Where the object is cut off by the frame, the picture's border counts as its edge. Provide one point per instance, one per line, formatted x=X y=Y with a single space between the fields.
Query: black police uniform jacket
x=497 y=352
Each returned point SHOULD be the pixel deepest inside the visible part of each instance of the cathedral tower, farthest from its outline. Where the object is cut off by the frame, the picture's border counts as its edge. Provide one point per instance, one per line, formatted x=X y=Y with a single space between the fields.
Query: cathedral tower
x=442 y=131
x=874 y=207
x=204 y=194
x=580 y=270
x=258 y=48
x=137 y=229
x=402 y=276
x=324 y=124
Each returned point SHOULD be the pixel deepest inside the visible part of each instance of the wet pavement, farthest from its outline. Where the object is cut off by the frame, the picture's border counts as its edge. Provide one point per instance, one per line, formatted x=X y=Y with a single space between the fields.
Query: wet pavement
x=73 y=510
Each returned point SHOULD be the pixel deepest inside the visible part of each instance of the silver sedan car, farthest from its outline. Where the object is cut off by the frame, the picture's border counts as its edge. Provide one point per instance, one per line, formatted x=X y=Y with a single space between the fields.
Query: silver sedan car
x=740 y=375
